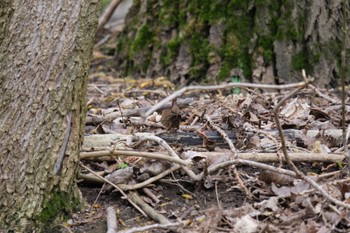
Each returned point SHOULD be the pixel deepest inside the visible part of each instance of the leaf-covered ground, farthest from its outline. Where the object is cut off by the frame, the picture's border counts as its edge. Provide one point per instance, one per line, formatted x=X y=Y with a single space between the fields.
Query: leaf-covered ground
x=210 y=161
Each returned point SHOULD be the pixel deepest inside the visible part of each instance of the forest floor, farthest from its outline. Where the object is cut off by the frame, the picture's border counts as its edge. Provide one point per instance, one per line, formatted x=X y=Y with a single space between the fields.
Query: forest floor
x=228 y=172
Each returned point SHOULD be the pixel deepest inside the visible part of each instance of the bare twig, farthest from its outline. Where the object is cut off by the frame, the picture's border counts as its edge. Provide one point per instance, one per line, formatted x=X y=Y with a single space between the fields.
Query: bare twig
x=156 y=226
x=290 y=163
x=115 y=186
x=98 y=196
x=279 y=128
x=107 y=14
x=171 y=152
x=109 y=117
x=252 y=164
x=271 y=157
x=148 y=209
x=241 y=184
x=178 y=93
x=224 y=135
x=324 y=96
x=149 y=193
x=150 y=180
x=116 y=153
x=234 y=152
x=217 y=195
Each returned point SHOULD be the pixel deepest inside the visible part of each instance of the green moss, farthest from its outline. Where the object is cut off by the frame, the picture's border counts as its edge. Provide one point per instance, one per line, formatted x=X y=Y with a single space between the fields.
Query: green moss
x=60 y=203
x=217 y=11
x=143 y=38
x=265 y=47
x=200 y=48
x=204 y=11
x=287 y=28
x=169 y=13
x=300 y=61
x=224 y=72
x=316 y=57
x=238 y=5
x=171 y=51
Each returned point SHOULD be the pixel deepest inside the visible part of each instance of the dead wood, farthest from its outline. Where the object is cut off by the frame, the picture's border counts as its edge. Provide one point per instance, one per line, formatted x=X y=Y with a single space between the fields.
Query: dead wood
x=193 y=139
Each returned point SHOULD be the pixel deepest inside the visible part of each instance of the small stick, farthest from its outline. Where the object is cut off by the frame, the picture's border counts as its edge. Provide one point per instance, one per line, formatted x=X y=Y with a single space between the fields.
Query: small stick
x=290 y=163
x=149 y=193
x=150 y=180
x=115 y=186
x=171 y=152
x=148 y=209
x=112 y=226
x=241 y=184
x=224 y=135
x=155 y=226
x=107 y=14
x=234 y=152
x=217 y=195
x=324 y=96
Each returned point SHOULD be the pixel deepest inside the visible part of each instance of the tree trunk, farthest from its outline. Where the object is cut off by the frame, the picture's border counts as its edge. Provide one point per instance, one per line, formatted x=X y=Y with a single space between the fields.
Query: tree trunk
x=262 y=41
x=45 y=47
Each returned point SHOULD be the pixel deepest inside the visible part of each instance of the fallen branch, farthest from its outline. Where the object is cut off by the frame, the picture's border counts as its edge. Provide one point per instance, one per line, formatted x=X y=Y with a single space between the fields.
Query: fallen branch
x=117 y=153
x=272 y=157
x=193 y=139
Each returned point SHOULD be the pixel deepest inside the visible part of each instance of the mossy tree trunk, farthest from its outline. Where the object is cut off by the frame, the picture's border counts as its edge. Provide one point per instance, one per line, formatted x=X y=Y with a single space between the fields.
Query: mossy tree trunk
x=45 y=47
x=261 y=40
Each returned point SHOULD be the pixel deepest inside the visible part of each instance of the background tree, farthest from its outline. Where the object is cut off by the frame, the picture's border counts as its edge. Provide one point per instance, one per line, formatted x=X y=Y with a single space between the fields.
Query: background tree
x=191 y=39
x=45 y=47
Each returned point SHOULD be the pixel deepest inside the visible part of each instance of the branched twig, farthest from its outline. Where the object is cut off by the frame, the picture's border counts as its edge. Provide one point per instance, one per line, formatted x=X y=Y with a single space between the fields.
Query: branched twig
x=115 y=186
x=324 y=96
x=217 y=87
x=171 y=152
x=290 y=162
x=241 y=184
x=234 y=152
x=224 y=135
x=150 y=180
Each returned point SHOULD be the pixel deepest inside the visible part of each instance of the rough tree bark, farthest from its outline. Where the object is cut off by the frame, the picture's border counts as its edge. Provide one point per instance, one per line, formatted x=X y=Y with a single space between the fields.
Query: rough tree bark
x=261 y=40
x=45 y=47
